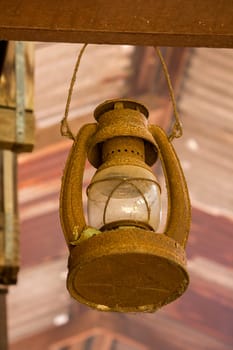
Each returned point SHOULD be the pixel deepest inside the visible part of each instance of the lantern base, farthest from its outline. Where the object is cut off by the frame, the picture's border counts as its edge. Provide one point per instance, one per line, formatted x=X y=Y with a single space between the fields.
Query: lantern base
x=127 y=270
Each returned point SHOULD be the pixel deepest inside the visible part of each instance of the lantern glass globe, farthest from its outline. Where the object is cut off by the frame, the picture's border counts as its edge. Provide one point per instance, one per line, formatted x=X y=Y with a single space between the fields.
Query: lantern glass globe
x=124 y=195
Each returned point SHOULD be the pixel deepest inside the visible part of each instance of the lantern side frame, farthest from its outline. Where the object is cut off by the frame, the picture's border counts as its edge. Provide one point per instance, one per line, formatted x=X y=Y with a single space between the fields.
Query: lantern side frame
x=71 y=208
x=179 y=206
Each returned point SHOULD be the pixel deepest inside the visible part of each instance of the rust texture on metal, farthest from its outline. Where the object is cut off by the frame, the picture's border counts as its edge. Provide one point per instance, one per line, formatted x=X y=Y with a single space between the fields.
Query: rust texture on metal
x=165 y=23
x=125 y=269
x=71 y=205
x=16 y=98
x=125 y=150
x=179 y=208
x=133 y=148
x=121 y=118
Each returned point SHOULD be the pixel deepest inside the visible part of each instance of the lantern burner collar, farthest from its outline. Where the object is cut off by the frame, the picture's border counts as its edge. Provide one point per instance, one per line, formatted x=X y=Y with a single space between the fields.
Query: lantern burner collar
x=117 y=119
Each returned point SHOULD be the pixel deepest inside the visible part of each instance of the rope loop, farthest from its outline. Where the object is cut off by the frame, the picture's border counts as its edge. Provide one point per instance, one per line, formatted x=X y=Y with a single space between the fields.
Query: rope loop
x=177 y=130
x=65 y=128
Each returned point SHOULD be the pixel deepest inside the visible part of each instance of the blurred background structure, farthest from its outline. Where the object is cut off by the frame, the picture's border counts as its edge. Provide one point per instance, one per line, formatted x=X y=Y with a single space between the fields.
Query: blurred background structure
x=41 y=313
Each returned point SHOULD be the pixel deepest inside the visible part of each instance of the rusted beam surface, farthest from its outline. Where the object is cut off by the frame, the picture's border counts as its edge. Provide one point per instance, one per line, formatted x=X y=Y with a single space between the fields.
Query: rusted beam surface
x=162 y=22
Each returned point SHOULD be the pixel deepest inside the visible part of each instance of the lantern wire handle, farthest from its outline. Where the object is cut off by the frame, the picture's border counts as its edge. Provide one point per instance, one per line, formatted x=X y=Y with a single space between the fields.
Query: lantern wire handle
x=65 y=128
x=177 y=130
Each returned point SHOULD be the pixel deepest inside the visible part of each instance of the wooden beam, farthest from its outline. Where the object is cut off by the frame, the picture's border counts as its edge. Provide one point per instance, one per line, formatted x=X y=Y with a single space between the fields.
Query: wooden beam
x=163 y=22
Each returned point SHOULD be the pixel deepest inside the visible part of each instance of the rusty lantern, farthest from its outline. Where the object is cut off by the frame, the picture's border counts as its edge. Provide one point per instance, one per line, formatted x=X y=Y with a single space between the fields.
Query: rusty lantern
x=118 y=262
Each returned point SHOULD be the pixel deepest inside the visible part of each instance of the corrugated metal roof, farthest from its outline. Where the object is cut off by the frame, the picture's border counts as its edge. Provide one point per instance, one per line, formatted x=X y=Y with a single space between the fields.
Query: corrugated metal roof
x=206 y=107
x=101 y=76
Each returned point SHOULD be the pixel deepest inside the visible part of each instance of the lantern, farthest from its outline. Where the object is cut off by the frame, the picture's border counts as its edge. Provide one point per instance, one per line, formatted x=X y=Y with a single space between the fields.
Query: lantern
x=118 y=261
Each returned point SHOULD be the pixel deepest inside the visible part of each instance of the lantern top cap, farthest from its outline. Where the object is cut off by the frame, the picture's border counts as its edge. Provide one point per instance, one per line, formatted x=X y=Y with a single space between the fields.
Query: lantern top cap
x=119 y=104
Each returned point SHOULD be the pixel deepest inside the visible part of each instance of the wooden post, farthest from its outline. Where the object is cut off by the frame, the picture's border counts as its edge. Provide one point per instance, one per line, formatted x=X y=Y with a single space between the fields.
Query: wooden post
x=16 y=97
x=9 y=251
x=16 y=134
x=3 y=319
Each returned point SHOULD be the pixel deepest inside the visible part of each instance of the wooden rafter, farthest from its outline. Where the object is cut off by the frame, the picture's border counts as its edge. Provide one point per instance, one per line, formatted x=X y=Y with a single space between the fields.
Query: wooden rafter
x=163 y=22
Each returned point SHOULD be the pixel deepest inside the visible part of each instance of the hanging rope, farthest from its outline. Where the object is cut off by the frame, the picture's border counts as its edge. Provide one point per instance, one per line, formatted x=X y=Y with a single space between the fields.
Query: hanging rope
x=177 y=130
x=65 y=128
